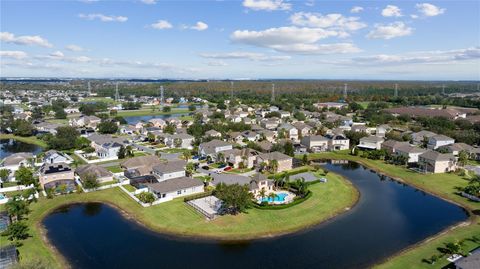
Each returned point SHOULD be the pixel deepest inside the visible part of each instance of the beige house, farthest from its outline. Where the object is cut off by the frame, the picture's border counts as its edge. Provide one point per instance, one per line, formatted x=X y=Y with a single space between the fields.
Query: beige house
x=285 y=162
x=140 y=166
x=235 y=157
x=259 y=182
x=56 y=174
x=435 y=162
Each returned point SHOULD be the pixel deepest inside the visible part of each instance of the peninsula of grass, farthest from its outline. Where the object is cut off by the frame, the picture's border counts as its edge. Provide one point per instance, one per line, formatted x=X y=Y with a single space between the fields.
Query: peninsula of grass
x=27 y=139
x=445 y=186
x=177 y=218
x=149 y=112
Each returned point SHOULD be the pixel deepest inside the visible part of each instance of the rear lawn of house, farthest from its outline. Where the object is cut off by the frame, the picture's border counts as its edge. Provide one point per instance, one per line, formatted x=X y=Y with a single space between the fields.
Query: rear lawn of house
x=114 y=169
x=176 y=217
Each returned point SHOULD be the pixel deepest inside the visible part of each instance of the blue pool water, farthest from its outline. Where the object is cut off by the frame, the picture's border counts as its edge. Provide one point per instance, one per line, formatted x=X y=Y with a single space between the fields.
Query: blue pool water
x=279 y=198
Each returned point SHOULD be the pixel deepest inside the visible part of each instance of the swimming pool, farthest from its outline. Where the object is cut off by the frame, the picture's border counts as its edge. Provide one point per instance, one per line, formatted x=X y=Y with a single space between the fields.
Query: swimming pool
x=280 y=197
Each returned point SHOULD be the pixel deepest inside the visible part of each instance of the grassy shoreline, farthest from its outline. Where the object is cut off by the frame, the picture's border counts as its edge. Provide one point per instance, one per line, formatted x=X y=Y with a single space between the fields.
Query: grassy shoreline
x=178 y=219
x=439 y=185
x=28 y=139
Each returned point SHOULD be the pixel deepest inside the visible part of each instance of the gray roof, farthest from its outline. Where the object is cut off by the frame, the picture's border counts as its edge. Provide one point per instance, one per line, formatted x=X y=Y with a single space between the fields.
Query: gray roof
x=174 y=184
x=16 y=158
x=372 y=138
x=274 y=156
x=409 y=149
x=230 y=179
x=469 y=262
x=92 y=169
x=316 y=138
x=437 y=156
x=441 y=138
x=170 y=167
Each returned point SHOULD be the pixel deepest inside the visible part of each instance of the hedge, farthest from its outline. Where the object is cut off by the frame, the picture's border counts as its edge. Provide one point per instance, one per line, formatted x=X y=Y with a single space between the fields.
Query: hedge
x=197 y=196
x=277 y=207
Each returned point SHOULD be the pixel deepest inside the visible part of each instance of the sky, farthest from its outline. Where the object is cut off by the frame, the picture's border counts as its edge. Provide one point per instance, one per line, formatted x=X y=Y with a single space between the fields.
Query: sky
x=244 y=39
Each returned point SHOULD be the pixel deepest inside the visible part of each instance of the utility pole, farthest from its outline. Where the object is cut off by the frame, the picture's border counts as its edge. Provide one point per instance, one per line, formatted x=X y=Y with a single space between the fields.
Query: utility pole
x=117 y=95
x=231 y=91
x=161 y=95
x=273 y=92
x=345 y=89
x=396 y=90
x=89 y=89
x=443 y=89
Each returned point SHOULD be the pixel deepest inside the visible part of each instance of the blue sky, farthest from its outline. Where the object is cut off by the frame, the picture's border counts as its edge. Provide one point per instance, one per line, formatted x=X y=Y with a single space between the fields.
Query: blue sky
x=241 y=39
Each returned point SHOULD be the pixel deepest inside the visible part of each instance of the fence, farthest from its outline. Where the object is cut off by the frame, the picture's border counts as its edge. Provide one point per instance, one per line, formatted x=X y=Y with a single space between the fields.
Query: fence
x=16 y=188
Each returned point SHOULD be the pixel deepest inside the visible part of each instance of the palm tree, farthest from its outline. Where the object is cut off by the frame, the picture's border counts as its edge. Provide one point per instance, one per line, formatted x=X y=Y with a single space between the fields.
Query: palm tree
x=274 y=166
x=187 y=155
x=272 y=195
x=262 y=194
x=16 y=208
x=221 y=157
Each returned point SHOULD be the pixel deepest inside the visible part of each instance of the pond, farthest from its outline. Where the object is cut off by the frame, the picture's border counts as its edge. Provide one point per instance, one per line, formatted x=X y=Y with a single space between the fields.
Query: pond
x=389 y=216
x=135 y=119
x=11 y=146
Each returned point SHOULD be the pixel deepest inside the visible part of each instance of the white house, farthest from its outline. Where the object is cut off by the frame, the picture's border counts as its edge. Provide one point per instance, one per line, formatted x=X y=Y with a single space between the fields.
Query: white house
x=315 y=143
x=337 y=142
x=212 y=148
x=17 y=160
x=175 y=187
x=437 y=141
x=53 y=156
x=371 y=142
x=169 y=170
x=412 y=153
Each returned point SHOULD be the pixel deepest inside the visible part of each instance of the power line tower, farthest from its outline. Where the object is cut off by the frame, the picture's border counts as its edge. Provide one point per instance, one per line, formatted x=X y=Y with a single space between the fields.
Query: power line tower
x=273 y=92
x=117 y=95
x=345 y=91
x=161 y=95
x=396 y=90
x=89 y=89
x=231 y=90
x=443 y=89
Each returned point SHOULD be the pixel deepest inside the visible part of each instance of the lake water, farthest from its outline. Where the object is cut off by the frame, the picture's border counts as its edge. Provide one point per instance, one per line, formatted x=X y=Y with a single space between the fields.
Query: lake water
x=388 y=217
x=11 y=146
x=135 y=119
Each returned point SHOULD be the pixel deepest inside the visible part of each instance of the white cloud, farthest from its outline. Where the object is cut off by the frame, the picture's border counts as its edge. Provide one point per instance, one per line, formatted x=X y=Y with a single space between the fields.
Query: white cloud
x=421 y=57
x=429 y=10
x=24 y=40
x=414 y=16
x=161 y=24
x=74 y=48
x=268 y=5
x=217 y=63
x=356 y=9
x=389 y=31
x=391 y=11
x=330 y=21
x=310 y=3
x=102 y=17
x=200 y=26
x=60 y=56
x=149 y=2
x=293 y=40
x=13 y=54
x=253 y=56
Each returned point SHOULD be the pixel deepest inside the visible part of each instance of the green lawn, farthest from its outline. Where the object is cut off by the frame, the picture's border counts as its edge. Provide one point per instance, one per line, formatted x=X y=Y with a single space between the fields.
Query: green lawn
x=58 y=121
x=174 y=150
x=178 y=218
x=28 y=139
x=114 y=169
x=444 y=185
x=130 y=188
x=239 y=171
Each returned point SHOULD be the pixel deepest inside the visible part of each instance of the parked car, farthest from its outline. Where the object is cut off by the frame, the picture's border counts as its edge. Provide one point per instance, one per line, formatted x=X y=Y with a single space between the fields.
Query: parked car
x=228 y=168
x=206 y=167
x=222 y=165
